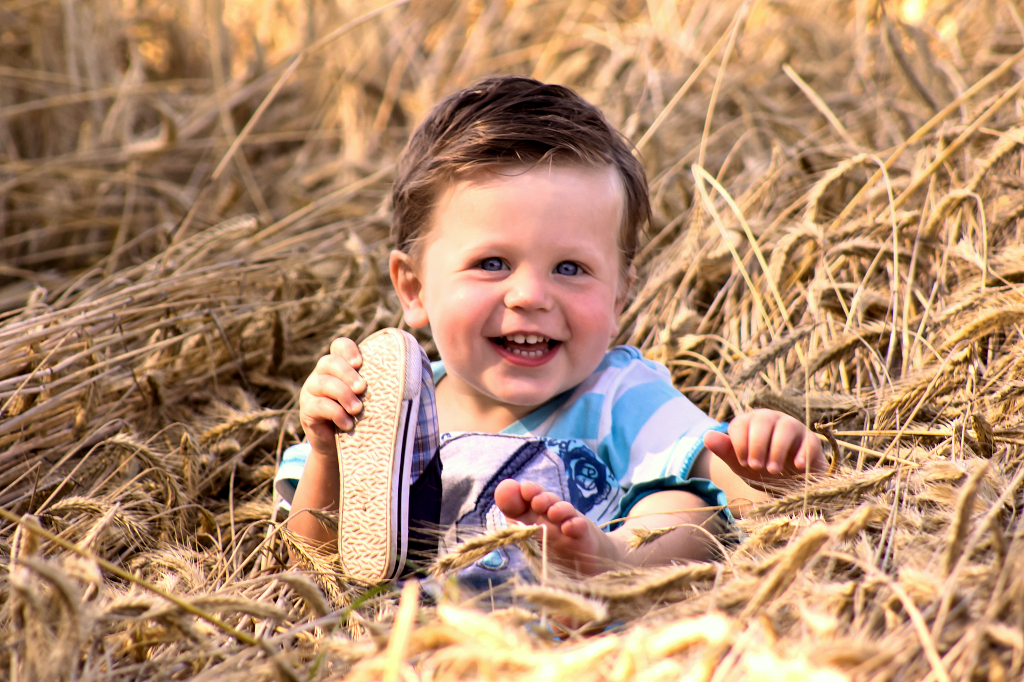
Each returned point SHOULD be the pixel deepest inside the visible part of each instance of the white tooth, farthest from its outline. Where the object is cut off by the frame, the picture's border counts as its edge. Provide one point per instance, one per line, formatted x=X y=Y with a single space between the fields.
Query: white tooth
x=526 y=353
x=518 y=338
x=530 y=338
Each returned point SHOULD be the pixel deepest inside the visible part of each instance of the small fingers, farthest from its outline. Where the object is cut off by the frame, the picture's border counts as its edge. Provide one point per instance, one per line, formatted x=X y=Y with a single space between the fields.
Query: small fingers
x=340 y=368
x=331 y=387
x=776 y=443
x=344 y=361
x=314 y=408
x=330 y=395
x=811 y=453
x=738 y=429
x=348 y=350
x=720 y=445
x=786 y=441
x=760 y=425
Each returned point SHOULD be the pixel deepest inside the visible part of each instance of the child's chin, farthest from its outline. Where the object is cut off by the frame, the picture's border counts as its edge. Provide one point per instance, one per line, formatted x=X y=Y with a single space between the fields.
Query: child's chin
x=525 y=396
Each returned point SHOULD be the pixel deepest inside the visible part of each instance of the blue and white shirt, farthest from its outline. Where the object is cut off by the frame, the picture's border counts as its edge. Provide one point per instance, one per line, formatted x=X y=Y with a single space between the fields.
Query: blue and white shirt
x=644 y=435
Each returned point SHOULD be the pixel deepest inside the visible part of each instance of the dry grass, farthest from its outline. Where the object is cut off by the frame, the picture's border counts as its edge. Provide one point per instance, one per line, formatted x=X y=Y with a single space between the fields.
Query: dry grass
x=193 y=203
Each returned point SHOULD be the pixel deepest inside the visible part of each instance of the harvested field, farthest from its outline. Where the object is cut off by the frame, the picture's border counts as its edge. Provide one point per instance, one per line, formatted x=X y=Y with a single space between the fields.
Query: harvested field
x=194 y=202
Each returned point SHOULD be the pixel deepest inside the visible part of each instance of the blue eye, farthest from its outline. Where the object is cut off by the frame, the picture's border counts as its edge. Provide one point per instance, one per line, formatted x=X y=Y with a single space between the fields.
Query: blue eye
x=492 y=264
x=567 y=268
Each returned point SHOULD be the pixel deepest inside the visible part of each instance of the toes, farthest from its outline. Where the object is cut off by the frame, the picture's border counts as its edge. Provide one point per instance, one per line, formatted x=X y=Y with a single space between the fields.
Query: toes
x=561 y=511
x=543 y=502
x=575 y=528
x=510 y=498
x=530 y=490
x=527 y=502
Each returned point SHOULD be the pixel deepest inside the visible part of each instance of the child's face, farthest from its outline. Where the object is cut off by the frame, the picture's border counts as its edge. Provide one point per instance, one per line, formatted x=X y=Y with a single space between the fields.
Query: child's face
x=519 y=279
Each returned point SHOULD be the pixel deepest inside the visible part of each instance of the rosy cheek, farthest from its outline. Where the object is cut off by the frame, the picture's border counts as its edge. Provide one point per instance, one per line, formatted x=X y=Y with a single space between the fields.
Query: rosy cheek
x=462 y=295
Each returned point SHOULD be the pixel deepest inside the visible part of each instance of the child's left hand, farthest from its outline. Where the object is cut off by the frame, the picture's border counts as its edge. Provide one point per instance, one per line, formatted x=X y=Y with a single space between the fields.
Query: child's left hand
x=765 y=445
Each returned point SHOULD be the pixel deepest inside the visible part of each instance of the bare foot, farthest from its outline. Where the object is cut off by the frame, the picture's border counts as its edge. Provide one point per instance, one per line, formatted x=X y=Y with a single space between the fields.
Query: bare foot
x=573 y=541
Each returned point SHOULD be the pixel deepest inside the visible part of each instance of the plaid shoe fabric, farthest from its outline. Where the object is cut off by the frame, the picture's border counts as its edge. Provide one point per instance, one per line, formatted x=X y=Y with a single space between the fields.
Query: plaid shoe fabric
x=428 y=436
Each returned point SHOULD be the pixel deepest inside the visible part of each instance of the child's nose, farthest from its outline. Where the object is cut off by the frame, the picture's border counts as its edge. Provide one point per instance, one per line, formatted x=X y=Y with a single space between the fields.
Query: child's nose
x=527 y=289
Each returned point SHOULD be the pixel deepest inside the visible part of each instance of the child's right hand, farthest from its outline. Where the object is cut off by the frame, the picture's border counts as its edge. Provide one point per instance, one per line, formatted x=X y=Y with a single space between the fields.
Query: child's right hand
x=330 y=395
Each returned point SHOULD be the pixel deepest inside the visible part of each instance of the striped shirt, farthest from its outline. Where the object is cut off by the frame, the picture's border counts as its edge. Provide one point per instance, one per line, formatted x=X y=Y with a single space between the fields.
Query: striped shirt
x=640 y=427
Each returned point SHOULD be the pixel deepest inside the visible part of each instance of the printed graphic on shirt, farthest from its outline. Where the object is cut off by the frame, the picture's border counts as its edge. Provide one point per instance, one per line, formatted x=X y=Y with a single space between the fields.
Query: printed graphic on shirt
x=567 y=468
x=589 y=482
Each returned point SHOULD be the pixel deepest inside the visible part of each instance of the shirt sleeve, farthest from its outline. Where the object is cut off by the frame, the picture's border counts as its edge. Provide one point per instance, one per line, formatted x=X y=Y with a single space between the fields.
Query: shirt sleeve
x=651 y=433
x=293 y=461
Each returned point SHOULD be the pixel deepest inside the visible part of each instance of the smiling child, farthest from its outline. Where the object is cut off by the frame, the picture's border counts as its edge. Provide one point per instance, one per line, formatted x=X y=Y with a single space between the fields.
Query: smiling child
x=517 y=214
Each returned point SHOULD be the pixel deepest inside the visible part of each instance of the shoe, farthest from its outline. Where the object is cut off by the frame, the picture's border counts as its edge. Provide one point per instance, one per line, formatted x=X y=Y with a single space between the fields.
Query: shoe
x=376 y=457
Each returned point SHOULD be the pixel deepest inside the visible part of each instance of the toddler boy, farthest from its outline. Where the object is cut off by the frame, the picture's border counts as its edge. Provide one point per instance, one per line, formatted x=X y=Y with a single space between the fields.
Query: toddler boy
x=517 y=213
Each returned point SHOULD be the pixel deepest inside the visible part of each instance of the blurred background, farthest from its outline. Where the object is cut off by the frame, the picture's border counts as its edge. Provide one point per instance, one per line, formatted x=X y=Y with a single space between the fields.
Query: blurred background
x=114 y=115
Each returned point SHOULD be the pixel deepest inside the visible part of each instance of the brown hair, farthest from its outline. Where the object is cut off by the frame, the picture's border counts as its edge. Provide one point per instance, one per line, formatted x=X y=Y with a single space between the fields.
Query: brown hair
x=511 y=120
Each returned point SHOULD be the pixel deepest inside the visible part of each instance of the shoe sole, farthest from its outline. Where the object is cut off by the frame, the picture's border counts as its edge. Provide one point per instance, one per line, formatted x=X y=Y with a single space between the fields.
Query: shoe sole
x=375 y=460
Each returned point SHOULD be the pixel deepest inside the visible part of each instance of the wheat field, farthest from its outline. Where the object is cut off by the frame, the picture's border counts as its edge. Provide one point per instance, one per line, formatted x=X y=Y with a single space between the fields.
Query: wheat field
x=194 y=202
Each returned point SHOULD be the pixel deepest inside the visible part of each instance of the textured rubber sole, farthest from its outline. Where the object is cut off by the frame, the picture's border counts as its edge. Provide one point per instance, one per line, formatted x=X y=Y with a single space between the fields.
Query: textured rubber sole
x=375 y=460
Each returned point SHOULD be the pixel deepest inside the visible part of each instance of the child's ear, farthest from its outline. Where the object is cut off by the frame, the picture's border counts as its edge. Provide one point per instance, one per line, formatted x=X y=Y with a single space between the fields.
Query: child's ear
x=406 y=280
x=625 y=289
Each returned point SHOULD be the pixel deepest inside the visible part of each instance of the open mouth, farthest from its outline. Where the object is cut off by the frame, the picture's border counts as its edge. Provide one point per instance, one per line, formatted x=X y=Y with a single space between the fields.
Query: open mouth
x=526 y=345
